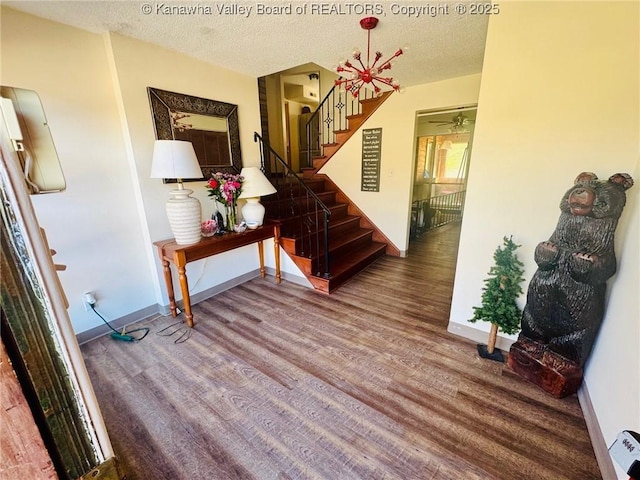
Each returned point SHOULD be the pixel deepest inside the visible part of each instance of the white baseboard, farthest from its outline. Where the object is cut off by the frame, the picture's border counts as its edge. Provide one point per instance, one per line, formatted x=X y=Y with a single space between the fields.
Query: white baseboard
x=298 y=280
x=118 y=324
x=600 y=448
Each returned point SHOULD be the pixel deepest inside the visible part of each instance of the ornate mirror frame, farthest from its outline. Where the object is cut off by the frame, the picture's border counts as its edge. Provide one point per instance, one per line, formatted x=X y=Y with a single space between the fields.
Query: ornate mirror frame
x=164 y=102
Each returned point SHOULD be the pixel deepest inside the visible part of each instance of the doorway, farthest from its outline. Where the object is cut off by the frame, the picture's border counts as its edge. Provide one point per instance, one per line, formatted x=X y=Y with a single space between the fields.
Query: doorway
x=443 y=151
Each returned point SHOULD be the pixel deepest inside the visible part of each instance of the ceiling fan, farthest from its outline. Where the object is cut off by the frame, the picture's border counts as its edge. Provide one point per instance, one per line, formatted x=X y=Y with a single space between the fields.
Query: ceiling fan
x=457 y=121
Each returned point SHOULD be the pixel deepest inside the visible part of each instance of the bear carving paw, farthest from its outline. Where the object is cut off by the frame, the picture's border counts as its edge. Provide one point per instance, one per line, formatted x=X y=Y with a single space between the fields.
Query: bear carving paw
x=581 y=265
x=546 y=255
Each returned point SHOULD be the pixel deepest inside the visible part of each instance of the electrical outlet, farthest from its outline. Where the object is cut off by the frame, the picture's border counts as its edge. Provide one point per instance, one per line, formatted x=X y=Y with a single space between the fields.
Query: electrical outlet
x=89 y=300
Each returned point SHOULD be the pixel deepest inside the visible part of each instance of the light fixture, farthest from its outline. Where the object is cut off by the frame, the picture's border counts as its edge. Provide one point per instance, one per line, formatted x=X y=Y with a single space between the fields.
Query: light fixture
x=254 y=186
x=176 y=159
x=355 y=77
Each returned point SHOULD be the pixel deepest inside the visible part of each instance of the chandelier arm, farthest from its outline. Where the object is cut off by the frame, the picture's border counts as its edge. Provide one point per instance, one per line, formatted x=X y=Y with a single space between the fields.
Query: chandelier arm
x=385 y=80
x=378 y=57
x=352 y=69
x=387 y=63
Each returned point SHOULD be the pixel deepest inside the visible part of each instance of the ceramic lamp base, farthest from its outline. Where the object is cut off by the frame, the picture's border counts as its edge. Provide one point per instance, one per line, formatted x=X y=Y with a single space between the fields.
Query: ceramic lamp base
x=185 y=216
x=253 y=211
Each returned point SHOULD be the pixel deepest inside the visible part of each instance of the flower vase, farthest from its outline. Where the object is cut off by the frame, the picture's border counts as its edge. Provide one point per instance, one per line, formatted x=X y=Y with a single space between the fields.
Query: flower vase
x=231 y=217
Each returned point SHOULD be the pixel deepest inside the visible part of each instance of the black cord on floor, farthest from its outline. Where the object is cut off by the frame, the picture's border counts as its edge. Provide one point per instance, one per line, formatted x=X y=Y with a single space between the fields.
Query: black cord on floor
x=185 y=332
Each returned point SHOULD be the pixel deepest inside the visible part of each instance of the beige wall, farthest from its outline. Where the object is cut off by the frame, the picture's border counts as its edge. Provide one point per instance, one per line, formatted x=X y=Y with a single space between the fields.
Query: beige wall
x=94 y=92
x=91 y=225
x=559 y=96
x=390 y=208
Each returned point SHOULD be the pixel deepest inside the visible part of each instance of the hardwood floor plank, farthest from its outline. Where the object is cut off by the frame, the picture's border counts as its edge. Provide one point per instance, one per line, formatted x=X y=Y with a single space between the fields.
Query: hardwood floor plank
x=280 y=382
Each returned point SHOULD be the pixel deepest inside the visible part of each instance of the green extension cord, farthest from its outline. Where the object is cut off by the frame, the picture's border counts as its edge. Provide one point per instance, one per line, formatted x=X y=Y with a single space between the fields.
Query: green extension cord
x=122 y=336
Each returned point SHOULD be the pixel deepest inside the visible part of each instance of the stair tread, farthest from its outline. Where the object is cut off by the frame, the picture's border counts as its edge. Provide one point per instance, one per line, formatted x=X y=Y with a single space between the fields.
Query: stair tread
x=343 y=267
x=352 y=257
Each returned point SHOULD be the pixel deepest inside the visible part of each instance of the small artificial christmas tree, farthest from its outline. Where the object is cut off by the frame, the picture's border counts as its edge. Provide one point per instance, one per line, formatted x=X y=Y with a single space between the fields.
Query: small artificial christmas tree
x=500 y=292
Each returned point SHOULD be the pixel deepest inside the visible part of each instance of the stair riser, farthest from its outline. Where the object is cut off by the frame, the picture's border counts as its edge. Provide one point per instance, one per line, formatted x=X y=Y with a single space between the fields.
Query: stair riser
x=309 y=246
x=284 y=189
x=273 y=207
x=337 y=226
x=344 y=227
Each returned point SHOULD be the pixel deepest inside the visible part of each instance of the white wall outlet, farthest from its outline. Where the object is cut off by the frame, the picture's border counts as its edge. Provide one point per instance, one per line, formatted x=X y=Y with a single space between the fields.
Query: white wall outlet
x=89 y=300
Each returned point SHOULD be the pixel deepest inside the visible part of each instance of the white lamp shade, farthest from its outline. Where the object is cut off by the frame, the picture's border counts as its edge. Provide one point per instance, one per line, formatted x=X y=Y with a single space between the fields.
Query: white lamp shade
x=255 y=184
x=174 y=159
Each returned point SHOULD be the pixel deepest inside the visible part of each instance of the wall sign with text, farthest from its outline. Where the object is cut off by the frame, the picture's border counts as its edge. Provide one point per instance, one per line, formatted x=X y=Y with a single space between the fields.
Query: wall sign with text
x=371 y=153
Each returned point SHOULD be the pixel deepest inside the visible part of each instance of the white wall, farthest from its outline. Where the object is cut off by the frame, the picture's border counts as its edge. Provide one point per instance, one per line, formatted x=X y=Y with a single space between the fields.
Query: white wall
x=390 y=208
x=94 y=92
x=559 y=96
x=91 y=225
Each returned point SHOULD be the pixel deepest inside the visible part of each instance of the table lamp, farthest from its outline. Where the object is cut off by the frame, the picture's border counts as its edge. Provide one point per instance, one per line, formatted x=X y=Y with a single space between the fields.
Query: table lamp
x=176 y=159
x=254 y=186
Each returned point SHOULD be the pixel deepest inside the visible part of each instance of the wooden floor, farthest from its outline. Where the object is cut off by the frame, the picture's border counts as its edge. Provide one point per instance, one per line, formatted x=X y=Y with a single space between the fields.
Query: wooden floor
x=280 y=382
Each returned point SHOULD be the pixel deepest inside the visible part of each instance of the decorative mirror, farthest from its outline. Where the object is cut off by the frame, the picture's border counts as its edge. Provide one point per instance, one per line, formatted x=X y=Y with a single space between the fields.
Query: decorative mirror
x=211 y=126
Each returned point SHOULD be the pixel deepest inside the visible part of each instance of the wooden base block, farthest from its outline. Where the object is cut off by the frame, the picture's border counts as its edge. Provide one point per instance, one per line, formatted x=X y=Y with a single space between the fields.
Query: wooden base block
x=548 y=370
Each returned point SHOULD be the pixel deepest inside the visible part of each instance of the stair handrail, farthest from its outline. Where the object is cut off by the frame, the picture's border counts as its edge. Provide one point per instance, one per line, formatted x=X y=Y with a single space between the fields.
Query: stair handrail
x=351 y=106
x=288 y=173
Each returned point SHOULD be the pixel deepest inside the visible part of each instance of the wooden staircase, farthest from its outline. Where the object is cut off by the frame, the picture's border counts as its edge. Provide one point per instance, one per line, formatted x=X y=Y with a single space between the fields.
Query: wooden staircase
x=351 y=244
x=353 y=241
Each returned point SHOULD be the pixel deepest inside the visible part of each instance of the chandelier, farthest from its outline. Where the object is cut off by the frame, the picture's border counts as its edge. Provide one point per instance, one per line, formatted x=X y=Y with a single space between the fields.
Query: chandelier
x=353 y=76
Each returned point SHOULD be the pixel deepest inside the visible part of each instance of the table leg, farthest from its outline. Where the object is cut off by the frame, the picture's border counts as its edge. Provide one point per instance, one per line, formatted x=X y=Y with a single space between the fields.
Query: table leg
x=166 y=266
x=276 y=248
x=261 y=255
x=186 y=299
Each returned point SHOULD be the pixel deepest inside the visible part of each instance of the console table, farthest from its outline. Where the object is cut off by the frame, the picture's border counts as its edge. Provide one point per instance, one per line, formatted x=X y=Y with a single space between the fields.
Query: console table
x=170 y=252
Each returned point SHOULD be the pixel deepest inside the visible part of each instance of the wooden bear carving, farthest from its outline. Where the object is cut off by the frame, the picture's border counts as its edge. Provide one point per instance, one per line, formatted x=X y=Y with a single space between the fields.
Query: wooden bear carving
x=566 y=296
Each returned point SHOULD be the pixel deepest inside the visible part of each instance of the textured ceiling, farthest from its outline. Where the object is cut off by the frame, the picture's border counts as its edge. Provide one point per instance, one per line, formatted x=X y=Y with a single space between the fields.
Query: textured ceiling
x=242 y=37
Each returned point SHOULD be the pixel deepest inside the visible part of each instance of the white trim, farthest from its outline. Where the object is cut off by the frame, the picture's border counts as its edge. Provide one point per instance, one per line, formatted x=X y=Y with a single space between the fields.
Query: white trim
x=600 y=448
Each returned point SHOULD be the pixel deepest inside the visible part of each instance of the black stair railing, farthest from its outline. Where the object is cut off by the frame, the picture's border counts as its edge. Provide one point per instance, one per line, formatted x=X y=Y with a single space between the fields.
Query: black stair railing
x=301 y=213
x=331 y=116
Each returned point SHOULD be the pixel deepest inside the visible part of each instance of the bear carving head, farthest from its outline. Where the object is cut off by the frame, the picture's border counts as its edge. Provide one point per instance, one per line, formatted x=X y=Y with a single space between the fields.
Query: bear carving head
x=595 y=198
